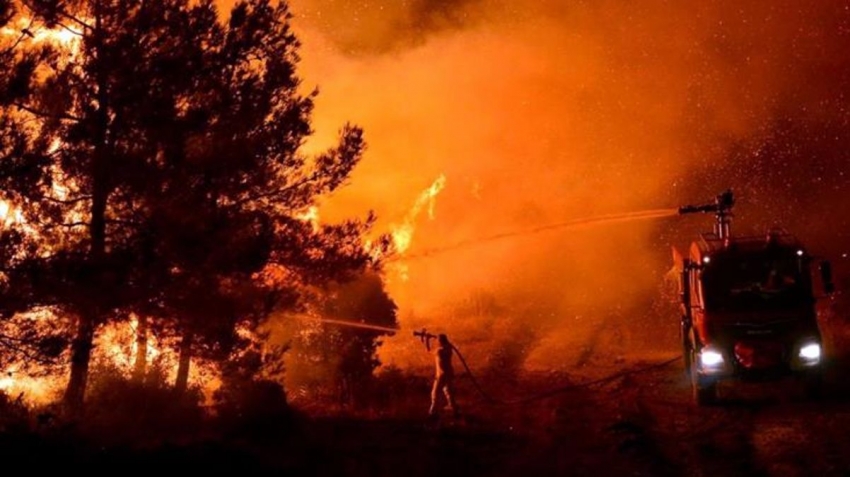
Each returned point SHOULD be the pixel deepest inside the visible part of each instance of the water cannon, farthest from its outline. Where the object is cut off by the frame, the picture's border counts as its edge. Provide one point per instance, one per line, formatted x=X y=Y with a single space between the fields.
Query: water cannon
x=722 y=210
x=424 y=337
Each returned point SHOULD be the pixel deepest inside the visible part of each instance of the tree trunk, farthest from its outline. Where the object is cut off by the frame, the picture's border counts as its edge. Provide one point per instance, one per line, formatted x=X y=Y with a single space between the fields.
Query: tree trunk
x=92 y=314
x=88 y=319
x=182 y=381
x=80 y=357
x=141 y=365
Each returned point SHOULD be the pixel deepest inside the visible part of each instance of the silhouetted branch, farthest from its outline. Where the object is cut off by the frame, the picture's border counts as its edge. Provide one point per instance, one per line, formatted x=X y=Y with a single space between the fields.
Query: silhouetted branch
x=61 y=13
x=68 y=201
x=255 y=197
x=18 y=41
x=282 y=190
x=42 y=114
x=70 y=30
x=22 y=347
x=52 y=225
x=71 y=225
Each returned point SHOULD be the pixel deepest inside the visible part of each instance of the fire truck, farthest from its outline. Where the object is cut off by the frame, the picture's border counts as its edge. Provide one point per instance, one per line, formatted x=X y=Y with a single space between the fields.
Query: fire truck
x=748 y=306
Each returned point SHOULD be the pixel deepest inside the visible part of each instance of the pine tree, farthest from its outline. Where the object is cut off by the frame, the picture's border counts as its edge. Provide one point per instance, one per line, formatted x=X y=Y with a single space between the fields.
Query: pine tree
x=155 y=160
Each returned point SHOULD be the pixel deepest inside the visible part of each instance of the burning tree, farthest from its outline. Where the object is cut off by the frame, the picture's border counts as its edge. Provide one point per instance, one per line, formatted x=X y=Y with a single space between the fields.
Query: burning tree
x=151 y=150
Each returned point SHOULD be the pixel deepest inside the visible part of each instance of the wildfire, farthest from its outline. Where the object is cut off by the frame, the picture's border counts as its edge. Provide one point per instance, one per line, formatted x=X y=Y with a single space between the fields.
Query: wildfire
x=30 y=383
x=64 y=36
x=68 y=39
x=116 y=348
x=29 y=389
x=310 y=215
x=403 y=234
x=9 y=214
x=122 y=347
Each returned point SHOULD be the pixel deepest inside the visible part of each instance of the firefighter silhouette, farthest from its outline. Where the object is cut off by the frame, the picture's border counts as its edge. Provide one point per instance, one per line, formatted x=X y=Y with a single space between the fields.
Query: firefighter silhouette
x=443 y=376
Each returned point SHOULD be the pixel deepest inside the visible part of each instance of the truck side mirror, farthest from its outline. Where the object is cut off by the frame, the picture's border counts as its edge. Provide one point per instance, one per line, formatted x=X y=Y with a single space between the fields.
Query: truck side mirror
x=826 y=277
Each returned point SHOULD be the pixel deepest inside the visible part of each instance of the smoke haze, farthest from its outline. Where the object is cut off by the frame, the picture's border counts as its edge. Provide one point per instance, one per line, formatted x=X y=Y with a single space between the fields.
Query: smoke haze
x=542 y=112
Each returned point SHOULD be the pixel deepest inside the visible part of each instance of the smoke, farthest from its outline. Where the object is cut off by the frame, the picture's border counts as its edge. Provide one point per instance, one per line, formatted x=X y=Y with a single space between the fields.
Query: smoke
x=385 y=26
x=548 y=111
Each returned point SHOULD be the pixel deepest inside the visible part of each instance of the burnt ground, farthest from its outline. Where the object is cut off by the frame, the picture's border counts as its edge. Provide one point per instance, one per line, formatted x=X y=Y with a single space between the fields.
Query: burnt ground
x=639 y=422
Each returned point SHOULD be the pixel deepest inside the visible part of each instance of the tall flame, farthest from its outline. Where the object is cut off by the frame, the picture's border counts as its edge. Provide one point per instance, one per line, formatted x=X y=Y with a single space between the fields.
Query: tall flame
x=402 y=234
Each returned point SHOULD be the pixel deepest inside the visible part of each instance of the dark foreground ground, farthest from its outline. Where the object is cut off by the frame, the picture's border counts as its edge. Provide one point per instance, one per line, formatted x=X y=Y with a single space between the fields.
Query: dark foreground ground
x=639 y=422
x=642 y=425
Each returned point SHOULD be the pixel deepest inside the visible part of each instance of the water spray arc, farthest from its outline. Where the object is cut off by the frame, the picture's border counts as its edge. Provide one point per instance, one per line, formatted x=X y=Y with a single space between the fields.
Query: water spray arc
x=570 y=224
x=356 y=324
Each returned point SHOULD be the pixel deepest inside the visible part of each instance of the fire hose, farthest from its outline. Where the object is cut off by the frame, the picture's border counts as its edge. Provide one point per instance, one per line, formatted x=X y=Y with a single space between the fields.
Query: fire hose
x=425 y=336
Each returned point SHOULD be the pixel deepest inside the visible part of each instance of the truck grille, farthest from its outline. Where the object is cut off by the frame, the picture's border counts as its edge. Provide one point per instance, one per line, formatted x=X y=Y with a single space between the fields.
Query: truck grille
x=759 y=354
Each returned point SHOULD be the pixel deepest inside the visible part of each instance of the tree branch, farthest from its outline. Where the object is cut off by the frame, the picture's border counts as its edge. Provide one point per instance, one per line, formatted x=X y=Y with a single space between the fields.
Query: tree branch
x=282 y=190
x=71 y=225
x=61 y=13
x=42 y=114
x=18 y=41
x=68 y=201
x=21 y=348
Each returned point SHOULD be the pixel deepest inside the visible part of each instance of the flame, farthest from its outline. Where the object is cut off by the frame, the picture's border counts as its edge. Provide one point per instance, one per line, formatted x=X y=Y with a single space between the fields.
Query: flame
x=15 y=380
x=402 y=234
x=65 y=36
x=30 y=389
x=9 y=214
x=310 y=215
x=116 y=347
x=121 y=347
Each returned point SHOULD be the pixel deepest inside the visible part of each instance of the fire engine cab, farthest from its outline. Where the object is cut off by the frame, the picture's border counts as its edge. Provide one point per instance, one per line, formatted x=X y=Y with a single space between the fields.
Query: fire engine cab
x=747 y=306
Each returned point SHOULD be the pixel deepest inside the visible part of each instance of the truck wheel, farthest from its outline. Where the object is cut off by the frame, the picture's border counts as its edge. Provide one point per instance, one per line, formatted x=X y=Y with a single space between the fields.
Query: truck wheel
x=704 y=389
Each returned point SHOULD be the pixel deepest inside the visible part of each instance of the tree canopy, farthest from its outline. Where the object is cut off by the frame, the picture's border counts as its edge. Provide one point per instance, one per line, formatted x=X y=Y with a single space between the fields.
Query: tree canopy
x=151 y=151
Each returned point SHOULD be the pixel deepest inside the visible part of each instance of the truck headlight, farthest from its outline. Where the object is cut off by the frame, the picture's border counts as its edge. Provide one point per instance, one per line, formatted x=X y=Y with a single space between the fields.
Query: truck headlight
x=810 y=353
x=710 y=358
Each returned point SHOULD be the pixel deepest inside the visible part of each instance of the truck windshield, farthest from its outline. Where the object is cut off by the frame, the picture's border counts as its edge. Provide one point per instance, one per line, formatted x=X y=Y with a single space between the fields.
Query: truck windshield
x=753 y=283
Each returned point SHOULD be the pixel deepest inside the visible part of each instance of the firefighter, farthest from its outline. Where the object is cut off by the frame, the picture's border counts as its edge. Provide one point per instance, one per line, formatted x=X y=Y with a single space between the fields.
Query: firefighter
x=444 y=375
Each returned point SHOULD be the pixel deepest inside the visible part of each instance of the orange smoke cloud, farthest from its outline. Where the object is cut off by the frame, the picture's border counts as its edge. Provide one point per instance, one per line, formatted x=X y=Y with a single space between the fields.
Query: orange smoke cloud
x=550 y=111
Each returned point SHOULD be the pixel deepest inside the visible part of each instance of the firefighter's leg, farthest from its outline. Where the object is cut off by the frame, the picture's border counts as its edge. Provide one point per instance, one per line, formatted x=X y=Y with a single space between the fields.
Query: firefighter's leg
x=448 y=390
x=435 y=393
